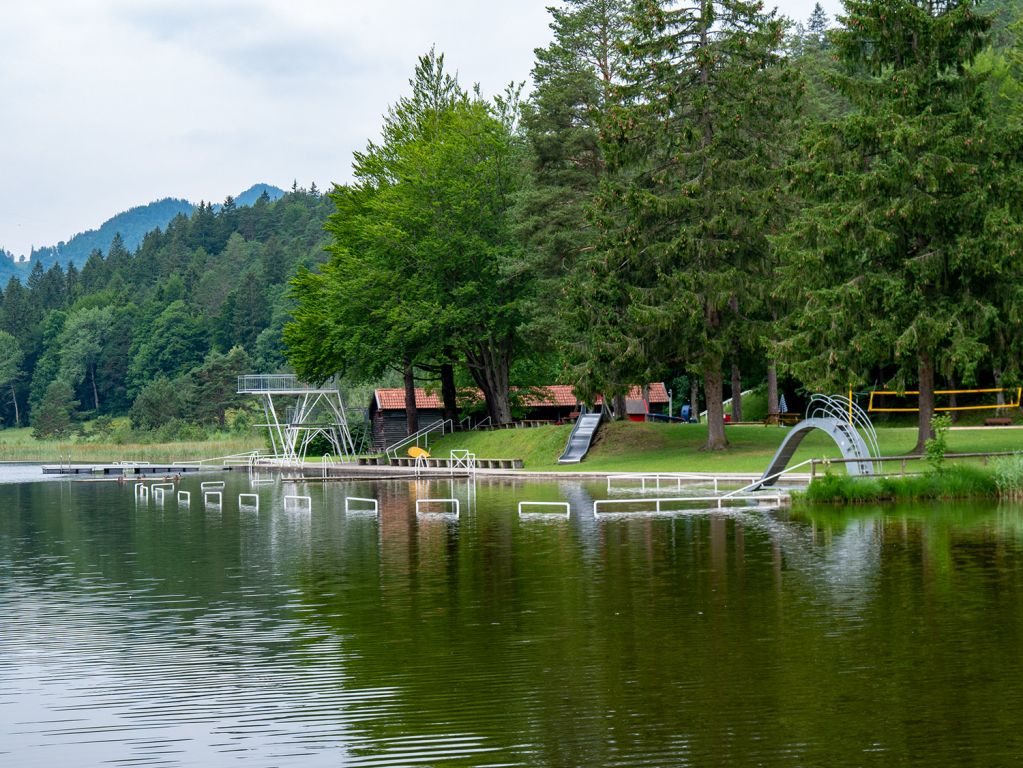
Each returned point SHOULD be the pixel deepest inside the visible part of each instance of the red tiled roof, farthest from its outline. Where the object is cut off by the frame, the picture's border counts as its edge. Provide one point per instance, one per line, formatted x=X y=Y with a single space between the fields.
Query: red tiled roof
x=553 y=395
x=658 y=393
x=394 y=399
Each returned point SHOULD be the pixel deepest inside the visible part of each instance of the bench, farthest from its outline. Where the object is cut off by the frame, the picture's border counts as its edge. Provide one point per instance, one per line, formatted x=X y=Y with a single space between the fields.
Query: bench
x=998 y=421
x=782 y=419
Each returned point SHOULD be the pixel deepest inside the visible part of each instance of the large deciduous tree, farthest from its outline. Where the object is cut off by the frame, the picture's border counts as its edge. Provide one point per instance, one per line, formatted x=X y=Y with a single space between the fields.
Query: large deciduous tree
x=423 y=262
x=82 y=342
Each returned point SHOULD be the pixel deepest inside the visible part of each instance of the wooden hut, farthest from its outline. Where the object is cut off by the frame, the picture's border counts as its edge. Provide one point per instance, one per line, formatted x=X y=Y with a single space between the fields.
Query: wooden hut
x=553 y=403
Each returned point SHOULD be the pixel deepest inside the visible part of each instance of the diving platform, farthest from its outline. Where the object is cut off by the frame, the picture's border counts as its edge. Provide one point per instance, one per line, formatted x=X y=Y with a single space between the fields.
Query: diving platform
x=297 y=412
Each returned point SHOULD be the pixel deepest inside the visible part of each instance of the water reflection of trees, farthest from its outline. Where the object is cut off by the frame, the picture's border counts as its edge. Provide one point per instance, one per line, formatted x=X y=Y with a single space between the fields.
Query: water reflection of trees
x=717 y=637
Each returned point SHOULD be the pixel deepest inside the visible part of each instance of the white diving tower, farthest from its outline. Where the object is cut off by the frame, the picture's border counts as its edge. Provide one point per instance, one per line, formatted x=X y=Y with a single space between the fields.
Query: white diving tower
x=296 y=413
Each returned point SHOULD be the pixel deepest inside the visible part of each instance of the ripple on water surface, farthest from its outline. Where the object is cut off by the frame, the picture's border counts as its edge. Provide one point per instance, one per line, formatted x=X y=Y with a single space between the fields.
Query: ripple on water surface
x=138 y=634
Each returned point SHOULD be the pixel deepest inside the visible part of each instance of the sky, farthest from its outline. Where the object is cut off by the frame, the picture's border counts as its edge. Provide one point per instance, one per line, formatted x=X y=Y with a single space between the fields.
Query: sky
x=109 y=104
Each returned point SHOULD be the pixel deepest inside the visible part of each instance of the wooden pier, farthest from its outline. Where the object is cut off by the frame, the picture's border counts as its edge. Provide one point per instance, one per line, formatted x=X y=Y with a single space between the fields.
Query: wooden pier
x=131 y=470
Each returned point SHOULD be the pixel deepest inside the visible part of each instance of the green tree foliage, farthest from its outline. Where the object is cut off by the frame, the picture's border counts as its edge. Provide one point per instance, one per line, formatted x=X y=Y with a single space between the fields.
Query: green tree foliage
x=576 y=81
x=215 y=386
x=157 y=403
x=906 y=253
x=82 y=343
x=424 y=253
x=11 y=358
x=53 y=417
x=172 y=347
x=698 y=146
x=162 y=308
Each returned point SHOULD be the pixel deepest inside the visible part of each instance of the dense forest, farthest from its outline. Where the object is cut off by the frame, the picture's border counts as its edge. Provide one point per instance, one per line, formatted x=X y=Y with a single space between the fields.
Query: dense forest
x=132 y=225
x=159 y=332
x=706 y=194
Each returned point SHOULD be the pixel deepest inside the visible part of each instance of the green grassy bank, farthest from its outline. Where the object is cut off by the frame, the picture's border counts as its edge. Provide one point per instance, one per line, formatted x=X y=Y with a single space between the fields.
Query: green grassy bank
x=619 y=447
x=1002 y=478
x=19 y=445
x=631 y=447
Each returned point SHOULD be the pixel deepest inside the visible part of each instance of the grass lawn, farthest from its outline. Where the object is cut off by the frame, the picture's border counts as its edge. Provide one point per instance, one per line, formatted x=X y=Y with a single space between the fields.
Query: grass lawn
x=632 y=447
x=19 y=445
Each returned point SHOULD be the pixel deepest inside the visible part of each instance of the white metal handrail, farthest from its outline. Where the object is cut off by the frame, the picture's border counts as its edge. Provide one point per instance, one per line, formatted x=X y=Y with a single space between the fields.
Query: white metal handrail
x=657 y=502
x=762 y=480
x=671 y=480
x=556 y=504
x=453 y=502
x=844 y=410
x=444 y=426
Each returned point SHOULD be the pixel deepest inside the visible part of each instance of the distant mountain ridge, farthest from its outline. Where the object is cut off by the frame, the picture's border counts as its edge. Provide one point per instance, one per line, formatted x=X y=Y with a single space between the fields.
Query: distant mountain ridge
x=133 y=225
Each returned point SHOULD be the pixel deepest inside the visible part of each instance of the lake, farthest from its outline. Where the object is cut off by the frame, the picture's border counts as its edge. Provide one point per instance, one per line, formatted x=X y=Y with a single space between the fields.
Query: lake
x=151 y=633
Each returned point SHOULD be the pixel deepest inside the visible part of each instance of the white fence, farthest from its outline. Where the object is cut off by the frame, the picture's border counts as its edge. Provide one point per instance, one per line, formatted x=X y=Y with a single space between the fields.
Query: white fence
x=558 y=505
x=373 y=509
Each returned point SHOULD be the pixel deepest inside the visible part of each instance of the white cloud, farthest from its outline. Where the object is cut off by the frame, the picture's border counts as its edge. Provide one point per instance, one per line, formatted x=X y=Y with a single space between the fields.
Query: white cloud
x=108 y=104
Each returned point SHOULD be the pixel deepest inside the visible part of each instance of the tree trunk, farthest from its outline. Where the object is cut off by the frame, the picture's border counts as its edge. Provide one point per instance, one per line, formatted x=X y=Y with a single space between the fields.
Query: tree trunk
x=736 y=393
x=448 y=392
x=926 y=400
x=694 y=398
x=1000 y=397
x=14 y=398
x=621 y=410
x=772 y=387
x=95 y=392
x=411 y=411
x=488 y=365
x=713 y=390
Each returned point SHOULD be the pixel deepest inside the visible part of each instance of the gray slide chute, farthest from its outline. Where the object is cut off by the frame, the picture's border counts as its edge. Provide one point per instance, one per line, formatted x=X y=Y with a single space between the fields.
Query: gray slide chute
x=581 y=438
x=844 y=422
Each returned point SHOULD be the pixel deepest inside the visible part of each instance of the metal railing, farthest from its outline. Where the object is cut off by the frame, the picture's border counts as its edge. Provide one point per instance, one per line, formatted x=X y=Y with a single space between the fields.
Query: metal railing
x=423 y=434
x=657 y=505
x=845 y=411
x=263 y=382
x=759 y=483
x=467 y=422
x=249 y=458
x=903 y=460
x=673 y=481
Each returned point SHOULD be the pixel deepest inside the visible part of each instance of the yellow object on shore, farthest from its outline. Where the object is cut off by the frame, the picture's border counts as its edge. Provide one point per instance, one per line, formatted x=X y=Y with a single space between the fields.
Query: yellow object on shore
x=415 y=452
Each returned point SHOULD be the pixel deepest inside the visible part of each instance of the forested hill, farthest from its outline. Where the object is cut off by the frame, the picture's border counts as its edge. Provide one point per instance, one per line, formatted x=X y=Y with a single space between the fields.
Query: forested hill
x=133 y=225
x=207 y=291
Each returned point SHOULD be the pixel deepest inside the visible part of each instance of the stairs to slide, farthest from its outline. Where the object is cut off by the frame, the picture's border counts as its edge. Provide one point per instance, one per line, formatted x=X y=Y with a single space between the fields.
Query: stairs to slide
x=581 y=438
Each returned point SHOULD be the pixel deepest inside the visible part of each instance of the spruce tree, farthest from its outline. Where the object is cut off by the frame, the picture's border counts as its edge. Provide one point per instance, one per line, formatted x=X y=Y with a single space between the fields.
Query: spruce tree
x=577 y=80
x=695 y=152
x=907 y=247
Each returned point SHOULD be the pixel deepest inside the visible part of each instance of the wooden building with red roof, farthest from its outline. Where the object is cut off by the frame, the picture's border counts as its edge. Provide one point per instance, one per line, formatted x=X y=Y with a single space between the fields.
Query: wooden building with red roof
x=554 y=403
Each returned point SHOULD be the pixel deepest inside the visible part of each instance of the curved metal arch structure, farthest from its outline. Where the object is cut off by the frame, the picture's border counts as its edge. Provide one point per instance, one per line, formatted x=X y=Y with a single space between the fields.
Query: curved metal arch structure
x=846 y=423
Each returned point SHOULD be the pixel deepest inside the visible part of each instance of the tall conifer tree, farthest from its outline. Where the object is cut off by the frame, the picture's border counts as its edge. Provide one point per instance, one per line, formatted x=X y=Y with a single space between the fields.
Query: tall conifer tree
x=909 y=238
x=696 y=149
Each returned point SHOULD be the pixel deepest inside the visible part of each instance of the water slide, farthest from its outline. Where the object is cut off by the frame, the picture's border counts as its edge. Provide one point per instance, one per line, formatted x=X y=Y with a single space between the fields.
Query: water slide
x=845 y=435
x=581 y=438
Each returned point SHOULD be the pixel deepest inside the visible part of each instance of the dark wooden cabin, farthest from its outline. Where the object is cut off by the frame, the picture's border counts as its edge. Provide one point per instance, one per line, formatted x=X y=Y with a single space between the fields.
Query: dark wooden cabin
x=554 y=403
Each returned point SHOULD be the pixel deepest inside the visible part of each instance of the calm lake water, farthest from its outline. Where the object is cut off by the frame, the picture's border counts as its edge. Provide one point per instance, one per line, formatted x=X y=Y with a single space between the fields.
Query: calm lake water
x=135 y=633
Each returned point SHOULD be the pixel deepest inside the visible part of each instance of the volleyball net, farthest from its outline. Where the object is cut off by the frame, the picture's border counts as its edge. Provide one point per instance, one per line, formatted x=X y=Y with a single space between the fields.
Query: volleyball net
x=884 y=401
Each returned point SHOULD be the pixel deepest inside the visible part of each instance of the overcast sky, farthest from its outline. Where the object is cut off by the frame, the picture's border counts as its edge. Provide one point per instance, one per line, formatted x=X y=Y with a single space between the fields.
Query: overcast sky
x=108 y=104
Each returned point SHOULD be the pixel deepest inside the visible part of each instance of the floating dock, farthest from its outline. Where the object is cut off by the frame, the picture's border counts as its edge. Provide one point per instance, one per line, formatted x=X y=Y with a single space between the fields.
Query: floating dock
x=131 y=470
